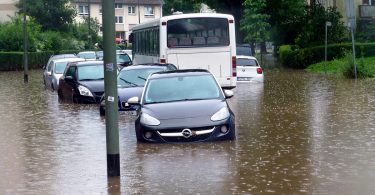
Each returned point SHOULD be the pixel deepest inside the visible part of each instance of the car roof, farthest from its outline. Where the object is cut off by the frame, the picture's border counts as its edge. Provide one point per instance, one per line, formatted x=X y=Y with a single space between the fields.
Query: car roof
x=177 y=73
x=59 y=56
x=246 y=57
x=87 y=63
x=143 y=66
x=68 y=59
x=86 y=52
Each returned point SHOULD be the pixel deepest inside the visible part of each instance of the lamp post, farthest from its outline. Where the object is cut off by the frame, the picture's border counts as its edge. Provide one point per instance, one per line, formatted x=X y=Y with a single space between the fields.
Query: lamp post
x=25 y=46
x=325 y=51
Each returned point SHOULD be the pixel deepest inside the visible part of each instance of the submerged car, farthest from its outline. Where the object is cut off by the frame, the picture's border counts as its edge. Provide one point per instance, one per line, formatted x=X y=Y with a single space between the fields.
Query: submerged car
x=88 y=55
x=123 y=60
x=55 y=70
x=183 y=106
x=249 y=70
x=130 y=83
x=82 y=82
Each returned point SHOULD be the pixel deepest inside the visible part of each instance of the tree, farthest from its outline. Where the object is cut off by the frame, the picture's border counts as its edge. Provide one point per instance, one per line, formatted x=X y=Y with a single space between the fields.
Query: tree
x=254 y=23
x=51 y=14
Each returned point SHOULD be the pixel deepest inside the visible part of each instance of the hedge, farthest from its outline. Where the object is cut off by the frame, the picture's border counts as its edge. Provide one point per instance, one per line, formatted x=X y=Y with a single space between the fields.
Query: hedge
x=301 y=58
x=14 y=60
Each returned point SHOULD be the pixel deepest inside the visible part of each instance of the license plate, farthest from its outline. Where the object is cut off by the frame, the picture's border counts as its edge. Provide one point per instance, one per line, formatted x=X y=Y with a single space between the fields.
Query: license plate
x=131 y=112
x=243 y=78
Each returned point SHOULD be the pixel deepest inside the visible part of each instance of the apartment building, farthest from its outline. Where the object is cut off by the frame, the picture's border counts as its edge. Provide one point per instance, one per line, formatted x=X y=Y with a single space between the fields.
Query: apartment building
x=7 y=9
x=365 y=9
x=128 y=13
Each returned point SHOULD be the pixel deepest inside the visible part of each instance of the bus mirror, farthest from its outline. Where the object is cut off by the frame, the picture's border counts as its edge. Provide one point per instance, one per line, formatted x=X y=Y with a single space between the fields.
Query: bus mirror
x=131 y=38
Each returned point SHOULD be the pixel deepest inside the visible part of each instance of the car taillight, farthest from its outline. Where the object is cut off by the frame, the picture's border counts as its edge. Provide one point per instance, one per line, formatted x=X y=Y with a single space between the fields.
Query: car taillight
x=259 y=70
x=162 y=61
x=234 y=66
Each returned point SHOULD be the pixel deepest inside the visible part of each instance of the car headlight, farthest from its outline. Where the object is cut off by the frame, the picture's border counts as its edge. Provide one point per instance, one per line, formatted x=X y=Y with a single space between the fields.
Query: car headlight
x=149 y=120
x=222 y=114
x=84 y=91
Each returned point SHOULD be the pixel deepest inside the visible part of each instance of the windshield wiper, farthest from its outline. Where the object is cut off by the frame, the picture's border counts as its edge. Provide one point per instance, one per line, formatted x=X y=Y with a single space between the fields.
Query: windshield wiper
x=142 y=78
x=128 y=82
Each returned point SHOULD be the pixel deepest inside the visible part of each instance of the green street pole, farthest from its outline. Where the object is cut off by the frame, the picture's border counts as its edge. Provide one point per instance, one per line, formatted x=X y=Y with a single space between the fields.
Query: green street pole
x=89 y=24
x=25 y=47
x=110 y=88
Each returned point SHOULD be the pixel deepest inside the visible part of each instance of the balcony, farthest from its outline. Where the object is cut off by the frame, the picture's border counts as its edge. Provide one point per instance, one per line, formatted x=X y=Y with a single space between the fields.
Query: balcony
x=367 y=11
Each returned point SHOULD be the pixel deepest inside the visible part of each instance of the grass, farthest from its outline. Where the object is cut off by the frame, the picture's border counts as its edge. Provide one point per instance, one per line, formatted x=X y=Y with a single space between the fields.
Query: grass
x=340 y=66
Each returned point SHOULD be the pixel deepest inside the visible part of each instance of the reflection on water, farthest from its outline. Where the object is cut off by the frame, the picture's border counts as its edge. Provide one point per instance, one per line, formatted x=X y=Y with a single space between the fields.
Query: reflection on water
x=297 y=133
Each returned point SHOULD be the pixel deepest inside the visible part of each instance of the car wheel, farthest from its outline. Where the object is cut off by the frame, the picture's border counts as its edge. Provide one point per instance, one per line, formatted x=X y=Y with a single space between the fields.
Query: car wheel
x=59 y=95
x=52 y=88
x=101 y=111
x=75 y=99
x=139 y=135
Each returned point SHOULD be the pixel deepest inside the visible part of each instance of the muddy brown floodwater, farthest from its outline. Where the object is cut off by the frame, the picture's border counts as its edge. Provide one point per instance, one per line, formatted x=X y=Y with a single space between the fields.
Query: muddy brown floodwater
x=297 y=133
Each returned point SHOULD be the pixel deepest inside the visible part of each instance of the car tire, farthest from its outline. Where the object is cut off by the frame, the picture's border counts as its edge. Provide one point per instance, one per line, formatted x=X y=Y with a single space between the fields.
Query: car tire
x=139 y=135
x=52 y=88
x=101 y=111
x=75 y=99
x=59 y=95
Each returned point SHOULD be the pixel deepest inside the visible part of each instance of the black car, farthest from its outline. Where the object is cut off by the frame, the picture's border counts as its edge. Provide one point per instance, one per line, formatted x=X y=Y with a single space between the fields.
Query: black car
x=123 y=60
x=130 y=83
x=183 y=106
x=82 y=82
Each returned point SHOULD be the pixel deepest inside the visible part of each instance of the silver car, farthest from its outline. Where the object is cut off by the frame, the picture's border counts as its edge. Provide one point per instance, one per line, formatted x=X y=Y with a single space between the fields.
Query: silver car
x=55 y=70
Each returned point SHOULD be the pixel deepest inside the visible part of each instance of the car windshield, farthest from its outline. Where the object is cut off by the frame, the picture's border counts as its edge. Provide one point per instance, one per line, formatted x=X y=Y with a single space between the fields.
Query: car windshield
x=60 y=67
x=93 y=72
x=135 y=77
x=87 y=55
x=122 y=58
x=246 y=62
x=182 y=88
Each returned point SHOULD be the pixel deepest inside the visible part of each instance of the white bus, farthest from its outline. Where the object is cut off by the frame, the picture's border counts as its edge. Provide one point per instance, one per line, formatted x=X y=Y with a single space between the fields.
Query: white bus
x=198 y=41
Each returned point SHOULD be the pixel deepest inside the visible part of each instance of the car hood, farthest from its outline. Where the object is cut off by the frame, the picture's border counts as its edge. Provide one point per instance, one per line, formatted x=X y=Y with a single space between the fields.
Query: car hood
x=184 y=110
x=125 y=93
x=94 y=86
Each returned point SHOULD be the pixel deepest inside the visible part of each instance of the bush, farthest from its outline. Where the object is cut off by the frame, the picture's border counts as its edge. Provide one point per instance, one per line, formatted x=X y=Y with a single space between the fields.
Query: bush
x=14 y=60
x=301 y=58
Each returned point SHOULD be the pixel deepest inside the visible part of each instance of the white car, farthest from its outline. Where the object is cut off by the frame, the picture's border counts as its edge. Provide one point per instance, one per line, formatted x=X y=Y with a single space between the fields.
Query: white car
x=248 y=69
x=54 y=70
x=88 y=55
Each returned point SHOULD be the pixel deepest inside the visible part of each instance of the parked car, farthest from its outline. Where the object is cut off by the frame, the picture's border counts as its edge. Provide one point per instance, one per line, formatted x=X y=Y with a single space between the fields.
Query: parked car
x=60 y=56
x=244 y=50
x=249 y=70
x=82 y=82
x=55 y=70
x=183 y=106
x=130 y=83
x=99 y=55
x=123 y=60
x=88 y=55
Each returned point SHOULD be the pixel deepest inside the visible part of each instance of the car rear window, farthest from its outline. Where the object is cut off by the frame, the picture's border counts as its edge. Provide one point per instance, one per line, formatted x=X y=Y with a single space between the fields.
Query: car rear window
x=246 y=62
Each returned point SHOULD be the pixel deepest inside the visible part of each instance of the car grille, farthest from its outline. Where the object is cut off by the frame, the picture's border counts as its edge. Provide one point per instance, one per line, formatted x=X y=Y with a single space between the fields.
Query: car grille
x=193 y=138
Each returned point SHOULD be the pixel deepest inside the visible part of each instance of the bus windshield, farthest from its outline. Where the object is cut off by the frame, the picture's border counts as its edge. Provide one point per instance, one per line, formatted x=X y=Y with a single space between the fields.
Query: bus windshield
x=197 y=32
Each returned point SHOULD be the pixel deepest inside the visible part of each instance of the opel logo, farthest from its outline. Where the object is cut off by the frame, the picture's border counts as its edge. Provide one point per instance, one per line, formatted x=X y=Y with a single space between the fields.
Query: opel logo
x=186 y=133
x=243 y=70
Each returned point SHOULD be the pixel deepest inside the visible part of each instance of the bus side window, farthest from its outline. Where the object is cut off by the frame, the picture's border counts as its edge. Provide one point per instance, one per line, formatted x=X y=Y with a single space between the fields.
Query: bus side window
x=172 y=42
x=212 y=40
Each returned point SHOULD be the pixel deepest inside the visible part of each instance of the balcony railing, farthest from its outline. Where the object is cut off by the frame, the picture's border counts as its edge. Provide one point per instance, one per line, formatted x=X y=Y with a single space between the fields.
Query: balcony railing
x=367 y=11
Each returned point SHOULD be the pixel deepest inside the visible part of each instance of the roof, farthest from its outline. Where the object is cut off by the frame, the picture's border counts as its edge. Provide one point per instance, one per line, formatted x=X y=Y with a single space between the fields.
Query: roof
x=69 y=59
x=178 y=73
x=246 y=57
x=128 y=2
x=141 y=66
x=87 y=63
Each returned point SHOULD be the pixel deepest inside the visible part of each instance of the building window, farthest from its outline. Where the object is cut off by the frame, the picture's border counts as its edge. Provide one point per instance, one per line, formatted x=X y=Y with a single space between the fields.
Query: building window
x=131 y=10
x=149 y=10
x=83 y=9
x=118 y=5
x=119 y=19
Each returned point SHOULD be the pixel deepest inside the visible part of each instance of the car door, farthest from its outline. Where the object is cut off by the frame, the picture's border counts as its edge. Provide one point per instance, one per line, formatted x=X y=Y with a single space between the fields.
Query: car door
x=68 y=82
x=48 y=75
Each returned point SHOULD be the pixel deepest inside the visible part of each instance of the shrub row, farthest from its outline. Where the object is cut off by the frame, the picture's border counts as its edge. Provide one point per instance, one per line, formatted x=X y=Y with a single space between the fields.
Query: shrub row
x=301 y=58
x=14 y=60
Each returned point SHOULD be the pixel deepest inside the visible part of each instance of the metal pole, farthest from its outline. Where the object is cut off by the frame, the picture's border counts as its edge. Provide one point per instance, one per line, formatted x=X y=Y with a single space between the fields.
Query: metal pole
x=325 y=52
x=110 y=84
x=89 y=23
x=353 y=47
x=25 y=46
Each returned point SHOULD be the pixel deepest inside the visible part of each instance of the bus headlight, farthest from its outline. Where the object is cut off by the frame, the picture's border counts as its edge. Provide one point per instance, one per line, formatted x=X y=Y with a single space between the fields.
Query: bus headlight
x=84 y=91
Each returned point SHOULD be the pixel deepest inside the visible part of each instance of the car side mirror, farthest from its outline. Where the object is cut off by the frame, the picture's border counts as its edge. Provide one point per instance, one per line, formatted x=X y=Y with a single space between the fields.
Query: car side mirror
x=228 y=94
x=68 y=78
x=133 y=101
x=49 y=73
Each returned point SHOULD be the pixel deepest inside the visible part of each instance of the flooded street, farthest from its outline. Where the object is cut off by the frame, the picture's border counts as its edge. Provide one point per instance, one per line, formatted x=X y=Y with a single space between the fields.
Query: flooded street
x=297 y=133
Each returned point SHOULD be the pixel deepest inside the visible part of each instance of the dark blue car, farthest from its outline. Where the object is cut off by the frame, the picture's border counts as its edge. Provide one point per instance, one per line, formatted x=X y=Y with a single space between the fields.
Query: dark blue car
x=130 y=83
